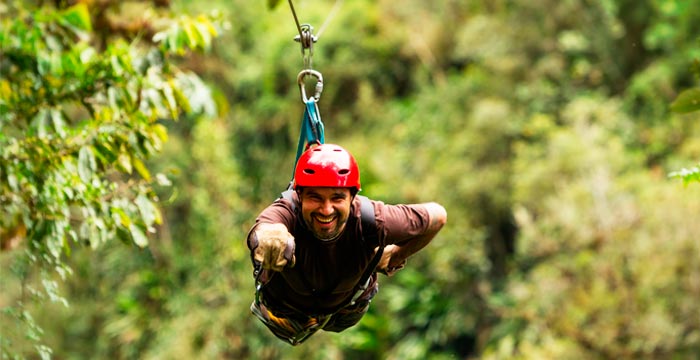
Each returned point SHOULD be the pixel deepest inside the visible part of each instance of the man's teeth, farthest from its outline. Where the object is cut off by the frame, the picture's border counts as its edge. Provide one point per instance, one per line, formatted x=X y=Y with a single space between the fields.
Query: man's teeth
x=325 y=219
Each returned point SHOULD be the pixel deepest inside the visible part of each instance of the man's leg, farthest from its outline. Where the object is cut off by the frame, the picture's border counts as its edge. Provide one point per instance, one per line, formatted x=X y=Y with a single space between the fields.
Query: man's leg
x=351 y=315
x=292 y=330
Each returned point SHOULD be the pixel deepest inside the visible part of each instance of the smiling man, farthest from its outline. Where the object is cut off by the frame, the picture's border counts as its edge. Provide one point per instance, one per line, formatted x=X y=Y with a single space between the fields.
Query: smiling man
x=317 y=250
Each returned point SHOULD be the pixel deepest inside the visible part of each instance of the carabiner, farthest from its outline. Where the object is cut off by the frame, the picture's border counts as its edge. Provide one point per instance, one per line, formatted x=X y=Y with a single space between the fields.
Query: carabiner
x=302 y=85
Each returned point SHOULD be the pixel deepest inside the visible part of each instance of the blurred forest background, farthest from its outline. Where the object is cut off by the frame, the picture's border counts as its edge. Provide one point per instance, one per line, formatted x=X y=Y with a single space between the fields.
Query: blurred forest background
x=544 y=128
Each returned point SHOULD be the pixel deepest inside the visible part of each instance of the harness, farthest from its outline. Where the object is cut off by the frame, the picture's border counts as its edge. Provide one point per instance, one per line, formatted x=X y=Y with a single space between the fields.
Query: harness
x=370 y=234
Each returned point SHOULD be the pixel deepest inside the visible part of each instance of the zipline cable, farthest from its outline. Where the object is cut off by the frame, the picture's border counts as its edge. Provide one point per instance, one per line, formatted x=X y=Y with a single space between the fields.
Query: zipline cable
x=331 y=15
x=306 y=37
x=296 y=19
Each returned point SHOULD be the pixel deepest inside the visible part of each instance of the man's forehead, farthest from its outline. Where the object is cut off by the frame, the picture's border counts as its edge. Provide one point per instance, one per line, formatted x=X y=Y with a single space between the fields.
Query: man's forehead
x=322 y=190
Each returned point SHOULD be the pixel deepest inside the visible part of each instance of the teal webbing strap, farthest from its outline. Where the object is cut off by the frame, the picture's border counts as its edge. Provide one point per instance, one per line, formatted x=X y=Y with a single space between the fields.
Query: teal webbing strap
x=311 y=129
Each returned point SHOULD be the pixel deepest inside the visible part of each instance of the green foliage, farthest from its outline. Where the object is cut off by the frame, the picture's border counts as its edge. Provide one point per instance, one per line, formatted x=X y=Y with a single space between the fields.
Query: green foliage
x=543 y=127
x=78 y=125
x=688 y=175
x=596 y=282
x=688 y=101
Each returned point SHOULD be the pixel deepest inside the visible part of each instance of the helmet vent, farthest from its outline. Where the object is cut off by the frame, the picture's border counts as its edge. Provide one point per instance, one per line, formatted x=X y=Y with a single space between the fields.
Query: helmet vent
x=343 y=171
x=309 y=171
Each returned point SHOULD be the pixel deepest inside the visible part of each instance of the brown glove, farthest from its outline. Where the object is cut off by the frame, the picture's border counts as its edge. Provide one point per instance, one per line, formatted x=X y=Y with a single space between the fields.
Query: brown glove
x=275 y=248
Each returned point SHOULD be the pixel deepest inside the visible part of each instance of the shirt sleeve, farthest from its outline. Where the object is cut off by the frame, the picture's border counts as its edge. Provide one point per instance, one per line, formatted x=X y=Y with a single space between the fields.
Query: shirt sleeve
x=401 y=223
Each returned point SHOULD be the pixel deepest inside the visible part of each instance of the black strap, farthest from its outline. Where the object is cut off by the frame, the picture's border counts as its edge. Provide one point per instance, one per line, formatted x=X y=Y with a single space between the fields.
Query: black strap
x=370 y=234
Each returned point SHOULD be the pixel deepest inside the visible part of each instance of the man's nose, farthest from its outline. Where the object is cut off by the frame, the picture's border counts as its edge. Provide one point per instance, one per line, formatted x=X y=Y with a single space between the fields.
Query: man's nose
x=326 y=208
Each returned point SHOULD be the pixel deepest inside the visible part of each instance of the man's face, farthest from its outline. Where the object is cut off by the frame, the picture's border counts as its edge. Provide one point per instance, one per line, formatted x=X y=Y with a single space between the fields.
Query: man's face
x=325 y=210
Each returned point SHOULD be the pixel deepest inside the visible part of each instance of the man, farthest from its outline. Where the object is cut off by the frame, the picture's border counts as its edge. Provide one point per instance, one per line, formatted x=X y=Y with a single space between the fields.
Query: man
x=316 y=255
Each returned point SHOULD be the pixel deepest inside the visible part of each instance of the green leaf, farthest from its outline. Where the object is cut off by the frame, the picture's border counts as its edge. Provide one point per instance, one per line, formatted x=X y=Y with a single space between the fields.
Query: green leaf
x=169 y=97
x=12 y=181
x=688 y=175
x=138 y=236
x=124 y=162
x=43 y=63
x=56 y=64
x=160 y=131
x=149 y=212
x=194 y=39
x=687 y=101
x=141 y=168
x=182 y=100
x=86 y=164
x=116 y=65
x=121 y=217
x=41 y=123
x=271 y=4
x=58 y=123
x=205 y=35
x=113 y=98
x=78 y=16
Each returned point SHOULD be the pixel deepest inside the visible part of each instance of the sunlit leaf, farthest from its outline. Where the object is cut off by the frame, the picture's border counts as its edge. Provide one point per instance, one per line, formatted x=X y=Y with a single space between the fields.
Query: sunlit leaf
x=160 y=131
x=56 y=63
x=12 y=181
x=113 y=96
x=687 y=175
x=687 y=101
x=86 y=164
x=182 y=100
x=58 y=123
x=120 y=217
x=41 y=123
x=43 y=62
x=124 y=162
x=78 y=16
x=205 y=35
x=138 y=236
x=163 y=180
x=194 y=39
x=148 y=211
x=69 y=63
x=116 y=65
x=170 y=101
x=141 y=168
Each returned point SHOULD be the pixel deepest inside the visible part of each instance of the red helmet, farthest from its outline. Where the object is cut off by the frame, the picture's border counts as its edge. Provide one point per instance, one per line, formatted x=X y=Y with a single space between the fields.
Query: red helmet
x=327 y=165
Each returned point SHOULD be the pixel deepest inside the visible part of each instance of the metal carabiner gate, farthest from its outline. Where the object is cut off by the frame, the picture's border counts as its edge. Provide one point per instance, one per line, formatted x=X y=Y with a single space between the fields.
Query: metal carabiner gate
x=302 y=86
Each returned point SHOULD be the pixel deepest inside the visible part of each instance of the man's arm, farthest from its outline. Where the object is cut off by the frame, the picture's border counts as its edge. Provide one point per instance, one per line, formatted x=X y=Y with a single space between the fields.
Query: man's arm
x=270 y=240
x=395 y=255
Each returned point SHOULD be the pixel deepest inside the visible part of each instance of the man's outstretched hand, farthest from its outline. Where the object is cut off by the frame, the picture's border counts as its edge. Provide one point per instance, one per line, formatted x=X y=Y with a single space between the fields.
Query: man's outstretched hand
x=275 y=249
x=390 y=262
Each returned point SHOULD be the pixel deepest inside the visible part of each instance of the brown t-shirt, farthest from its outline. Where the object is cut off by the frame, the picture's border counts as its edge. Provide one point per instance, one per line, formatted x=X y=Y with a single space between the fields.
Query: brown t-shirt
x=327 y=272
